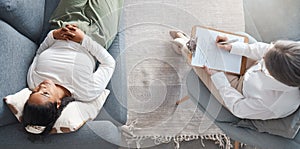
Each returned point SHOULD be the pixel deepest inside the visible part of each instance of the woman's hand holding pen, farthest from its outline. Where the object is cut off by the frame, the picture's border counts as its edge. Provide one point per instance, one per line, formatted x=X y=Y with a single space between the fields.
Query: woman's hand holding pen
x=223 y=43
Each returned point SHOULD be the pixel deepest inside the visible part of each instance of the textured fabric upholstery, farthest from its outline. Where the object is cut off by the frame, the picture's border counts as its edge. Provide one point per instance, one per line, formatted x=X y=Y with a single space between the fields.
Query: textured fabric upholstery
x=89 y=136
x=26 y=16
x=17 y=52
x=50 y=7
x=270 y=20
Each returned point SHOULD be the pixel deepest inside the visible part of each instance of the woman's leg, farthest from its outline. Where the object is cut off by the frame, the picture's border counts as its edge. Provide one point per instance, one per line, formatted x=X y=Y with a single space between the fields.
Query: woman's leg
x=204 y=77
x=99 y=19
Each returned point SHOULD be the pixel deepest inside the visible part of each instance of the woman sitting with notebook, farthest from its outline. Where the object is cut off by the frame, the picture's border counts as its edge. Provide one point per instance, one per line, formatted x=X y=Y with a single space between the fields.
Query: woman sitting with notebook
x=270 y=87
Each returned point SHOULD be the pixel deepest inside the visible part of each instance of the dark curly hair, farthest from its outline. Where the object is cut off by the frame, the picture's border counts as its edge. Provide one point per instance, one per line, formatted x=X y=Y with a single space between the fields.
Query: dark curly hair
x=43 y=115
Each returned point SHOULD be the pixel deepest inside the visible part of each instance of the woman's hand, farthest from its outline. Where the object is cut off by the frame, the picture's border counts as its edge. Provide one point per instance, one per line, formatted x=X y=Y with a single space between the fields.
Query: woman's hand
x=62 y=34
x=70 y=32
x=78 y=34
x=209 y=71
x=226 y=47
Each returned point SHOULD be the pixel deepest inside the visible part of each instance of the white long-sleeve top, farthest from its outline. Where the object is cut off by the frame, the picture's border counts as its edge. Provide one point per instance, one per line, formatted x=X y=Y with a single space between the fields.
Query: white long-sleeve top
x=262 y=97
x=72 y=65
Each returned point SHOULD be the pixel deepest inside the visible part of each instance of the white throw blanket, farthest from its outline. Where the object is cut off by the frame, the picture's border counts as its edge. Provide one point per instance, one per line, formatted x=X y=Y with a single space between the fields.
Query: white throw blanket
x=156 y=74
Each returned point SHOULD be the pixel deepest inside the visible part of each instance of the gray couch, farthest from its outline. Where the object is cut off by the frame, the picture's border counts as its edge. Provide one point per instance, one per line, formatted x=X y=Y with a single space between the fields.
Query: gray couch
x=23 y=26
x=267 y=21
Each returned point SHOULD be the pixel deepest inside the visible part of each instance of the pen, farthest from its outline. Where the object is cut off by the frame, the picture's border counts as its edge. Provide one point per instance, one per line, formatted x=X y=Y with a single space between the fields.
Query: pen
x=228 y=41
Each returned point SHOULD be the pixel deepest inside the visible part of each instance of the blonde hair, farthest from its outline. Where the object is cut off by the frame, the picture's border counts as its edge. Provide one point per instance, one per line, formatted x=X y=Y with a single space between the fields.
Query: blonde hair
x=283 y=62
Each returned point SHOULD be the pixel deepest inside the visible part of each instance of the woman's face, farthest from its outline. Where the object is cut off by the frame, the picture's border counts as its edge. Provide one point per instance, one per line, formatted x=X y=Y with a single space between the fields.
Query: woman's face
x=44 y=92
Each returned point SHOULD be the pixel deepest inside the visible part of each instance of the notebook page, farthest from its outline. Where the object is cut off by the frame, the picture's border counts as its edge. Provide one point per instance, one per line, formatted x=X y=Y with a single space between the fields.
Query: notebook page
x=207 y=53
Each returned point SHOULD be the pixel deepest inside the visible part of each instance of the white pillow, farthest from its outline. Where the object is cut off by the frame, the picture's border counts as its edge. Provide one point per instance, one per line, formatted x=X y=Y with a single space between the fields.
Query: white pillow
x=72 y=117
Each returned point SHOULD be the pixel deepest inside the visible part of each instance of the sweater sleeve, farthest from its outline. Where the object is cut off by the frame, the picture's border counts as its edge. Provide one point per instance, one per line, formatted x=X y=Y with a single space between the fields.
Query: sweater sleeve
x=106 y=68
x=239 y=105
x=255 y=51
x=49 y=40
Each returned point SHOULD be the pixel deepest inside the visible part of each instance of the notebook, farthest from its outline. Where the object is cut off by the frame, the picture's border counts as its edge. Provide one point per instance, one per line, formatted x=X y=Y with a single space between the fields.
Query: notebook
x=208 y=54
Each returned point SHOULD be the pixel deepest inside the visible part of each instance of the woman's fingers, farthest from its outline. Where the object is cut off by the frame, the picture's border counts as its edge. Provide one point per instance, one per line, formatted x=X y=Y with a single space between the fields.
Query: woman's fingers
x=221 y=46
x=71 y=27
x=226 y=47
x=75 y=25
x=207 y=70
x=67 y=37
x=221 y=38
x=70 y=34
x=64 y=29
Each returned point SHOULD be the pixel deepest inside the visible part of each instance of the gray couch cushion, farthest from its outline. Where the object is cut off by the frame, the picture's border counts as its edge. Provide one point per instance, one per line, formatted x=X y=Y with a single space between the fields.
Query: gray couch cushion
x=25 y=16
x=269 y=20
x=93 y=135
x=258 y=139
x=16 y=55
x=286 y=127
x=50 y=6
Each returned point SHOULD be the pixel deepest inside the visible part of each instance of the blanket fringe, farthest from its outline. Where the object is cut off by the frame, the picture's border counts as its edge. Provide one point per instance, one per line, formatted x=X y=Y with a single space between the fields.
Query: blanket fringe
x=221 y=139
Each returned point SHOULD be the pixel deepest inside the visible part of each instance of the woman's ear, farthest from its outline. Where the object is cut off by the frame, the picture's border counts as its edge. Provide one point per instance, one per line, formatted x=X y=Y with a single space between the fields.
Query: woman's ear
x=58 y=103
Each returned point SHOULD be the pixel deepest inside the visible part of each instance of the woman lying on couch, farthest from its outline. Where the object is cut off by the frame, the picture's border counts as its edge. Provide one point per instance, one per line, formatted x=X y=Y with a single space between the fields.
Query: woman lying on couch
x=270 y=87
x=62 y=71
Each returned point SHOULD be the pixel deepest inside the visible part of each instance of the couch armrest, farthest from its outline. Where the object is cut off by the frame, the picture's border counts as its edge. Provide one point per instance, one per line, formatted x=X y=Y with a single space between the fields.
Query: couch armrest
x=282 y=19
